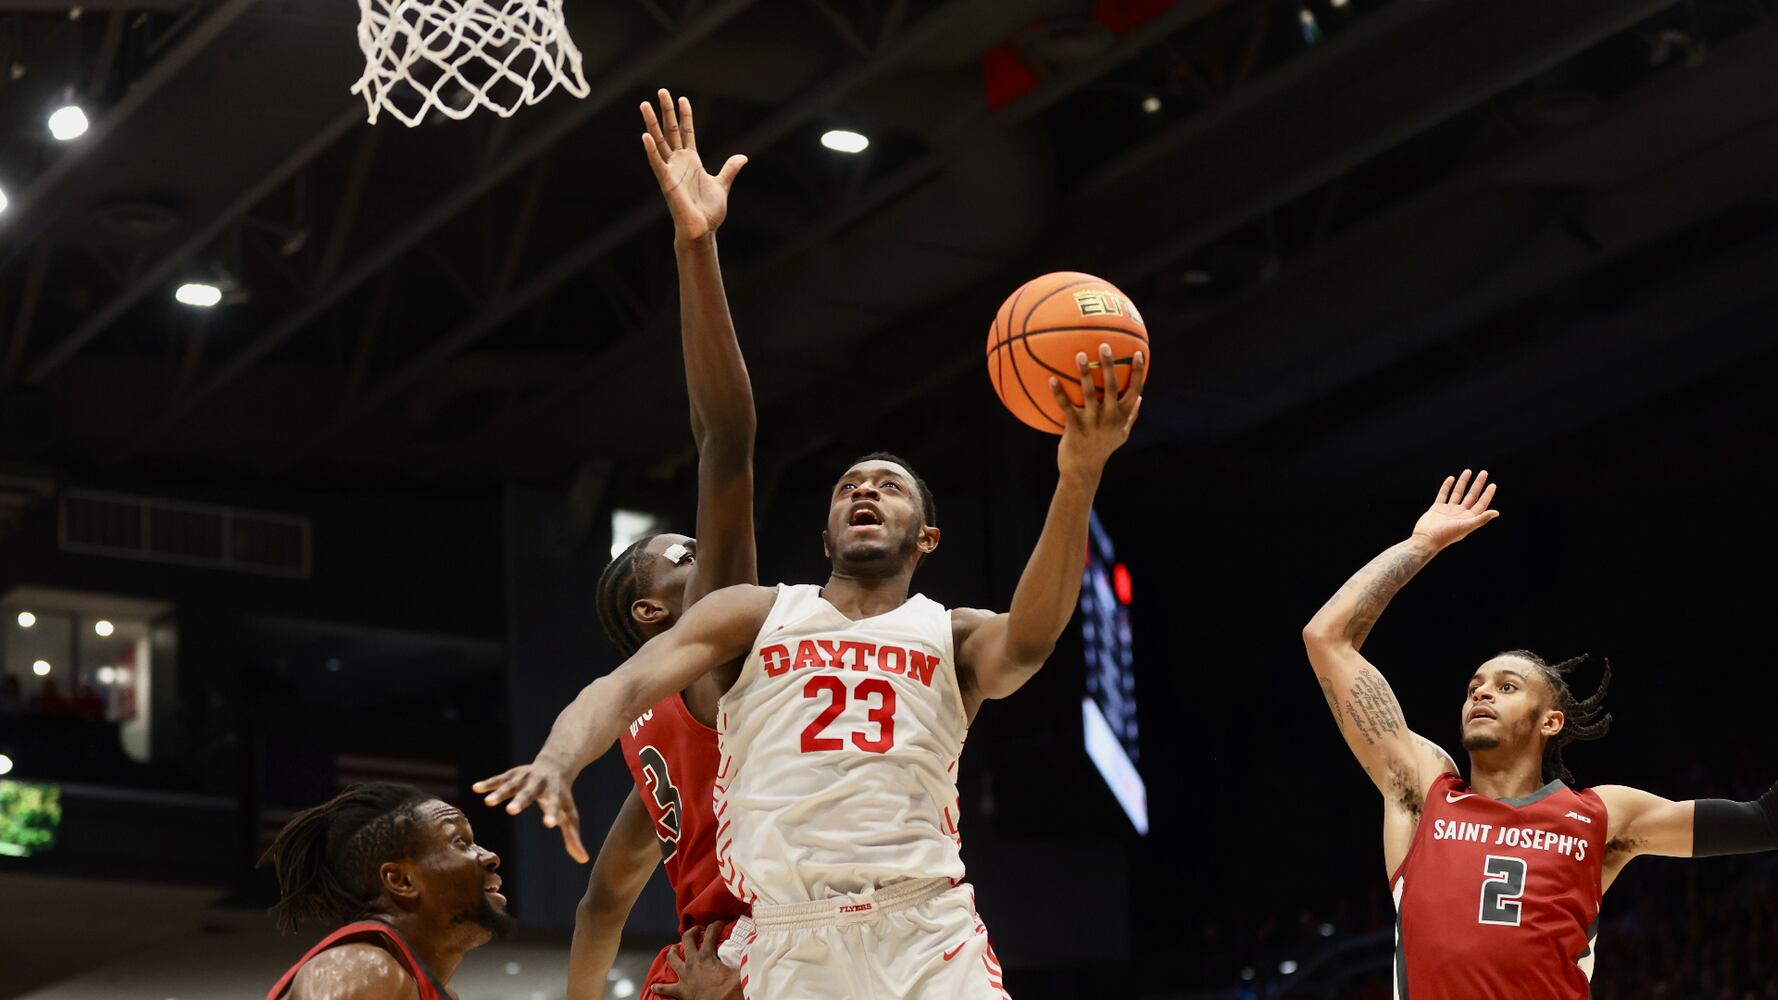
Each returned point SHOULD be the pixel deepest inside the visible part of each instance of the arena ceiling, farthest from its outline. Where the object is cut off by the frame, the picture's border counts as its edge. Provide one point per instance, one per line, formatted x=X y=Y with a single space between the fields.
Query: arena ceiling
x=1352 y=239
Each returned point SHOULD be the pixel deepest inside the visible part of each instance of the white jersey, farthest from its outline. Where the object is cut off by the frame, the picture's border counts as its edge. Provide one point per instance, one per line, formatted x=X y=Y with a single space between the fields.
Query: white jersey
x=839 y=745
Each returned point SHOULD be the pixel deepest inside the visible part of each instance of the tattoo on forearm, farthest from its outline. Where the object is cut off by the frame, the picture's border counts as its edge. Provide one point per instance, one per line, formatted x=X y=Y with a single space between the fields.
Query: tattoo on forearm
x=1374 y=712
x=1386 y=574
x=1333 y=701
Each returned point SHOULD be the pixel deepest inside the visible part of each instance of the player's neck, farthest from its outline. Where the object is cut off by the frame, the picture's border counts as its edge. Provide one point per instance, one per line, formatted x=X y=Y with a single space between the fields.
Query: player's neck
x=866 y=596
x=1504 y=775
x=440 y=948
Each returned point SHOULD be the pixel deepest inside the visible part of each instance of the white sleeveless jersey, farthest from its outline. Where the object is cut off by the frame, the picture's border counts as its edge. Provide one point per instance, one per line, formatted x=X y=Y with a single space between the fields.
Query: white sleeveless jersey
x=839 y=746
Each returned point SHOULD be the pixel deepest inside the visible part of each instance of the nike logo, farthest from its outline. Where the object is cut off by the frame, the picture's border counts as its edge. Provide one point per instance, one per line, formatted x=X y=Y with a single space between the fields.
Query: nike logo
x=979 y=929
x=1457 y=798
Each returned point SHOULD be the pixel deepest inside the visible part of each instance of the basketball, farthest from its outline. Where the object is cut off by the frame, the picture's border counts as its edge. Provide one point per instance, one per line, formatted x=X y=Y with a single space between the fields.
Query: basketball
x=1042 y=326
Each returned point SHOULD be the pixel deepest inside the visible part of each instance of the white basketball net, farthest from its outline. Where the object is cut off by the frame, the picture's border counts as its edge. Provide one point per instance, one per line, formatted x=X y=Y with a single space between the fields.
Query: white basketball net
x=453 y=56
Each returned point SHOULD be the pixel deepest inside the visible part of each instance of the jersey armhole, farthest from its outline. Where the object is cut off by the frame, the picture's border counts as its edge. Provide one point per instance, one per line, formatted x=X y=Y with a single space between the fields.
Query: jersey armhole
x=749 y=671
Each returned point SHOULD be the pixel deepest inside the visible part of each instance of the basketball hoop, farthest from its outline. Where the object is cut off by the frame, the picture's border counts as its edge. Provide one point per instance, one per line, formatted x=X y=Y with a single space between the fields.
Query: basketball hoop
x=453 y=56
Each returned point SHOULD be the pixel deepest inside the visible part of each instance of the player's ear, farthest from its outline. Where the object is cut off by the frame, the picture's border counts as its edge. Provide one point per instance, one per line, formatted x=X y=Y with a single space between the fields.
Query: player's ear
x=396 y=879
x=927 y=540
x=647 y=610
x=826 y=550
x=1553 y=721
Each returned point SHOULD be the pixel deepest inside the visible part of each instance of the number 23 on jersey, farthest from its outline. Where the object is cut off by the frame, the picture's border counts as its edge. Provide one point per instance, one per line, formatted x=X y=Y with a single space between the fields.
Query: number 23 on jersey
x=877 y=735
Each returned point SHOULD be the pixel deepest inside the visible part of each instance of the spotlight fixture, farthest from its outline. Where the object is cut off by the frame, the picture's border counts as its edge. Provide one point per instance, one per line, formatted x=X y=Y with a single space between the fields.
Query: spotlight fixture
x=1151 y=104
x=67 y=123
x=27 y=619
x=201 y=294
x=844 y=141
x=102 y=628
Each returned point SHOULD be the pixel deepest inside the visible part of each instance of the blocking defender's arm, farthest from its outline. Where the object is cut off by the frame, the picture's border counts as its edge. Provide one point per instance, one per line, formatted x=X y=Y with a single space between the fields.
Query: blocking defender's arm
x=1401 y=764
x=999 y=653
x=1641 y=823
x=716 y=631
x=627 y=859
x=722 y=417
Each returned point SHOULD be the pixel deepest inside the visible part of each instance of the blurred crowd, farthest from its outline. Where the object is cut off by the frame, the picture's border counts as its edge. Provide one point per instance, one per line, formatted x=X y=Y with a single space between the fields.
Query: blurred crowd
x=49 y=700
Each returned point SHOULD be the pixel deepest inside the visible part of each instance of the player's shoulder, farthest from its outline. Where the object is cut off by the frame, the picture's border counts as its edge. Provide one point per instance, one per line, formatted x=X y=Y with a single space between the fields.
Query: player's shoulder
x=356 y=971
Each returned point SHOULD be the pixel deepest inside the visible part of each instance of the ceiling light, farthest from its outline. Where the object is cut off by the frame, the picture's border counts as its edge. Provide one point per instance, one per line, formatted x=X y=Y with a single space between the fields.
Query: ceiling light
x=40 y=668
x=107 y=675
x=844 y=141
x=622 y=988
x=27 y=619
x=102 y=628
x=198 y=293
x=1151 y=104
x=67 y=123
x=5 y=764
x=1287 y=967
x=3 y=201
x=513 y=968
x=1337 y=4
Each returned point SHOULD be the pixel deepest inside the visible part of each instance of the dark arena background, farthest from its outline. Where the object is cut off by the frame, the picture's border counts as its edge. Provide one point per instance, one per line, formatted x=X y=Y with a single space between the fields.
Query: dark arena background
x=344 y=522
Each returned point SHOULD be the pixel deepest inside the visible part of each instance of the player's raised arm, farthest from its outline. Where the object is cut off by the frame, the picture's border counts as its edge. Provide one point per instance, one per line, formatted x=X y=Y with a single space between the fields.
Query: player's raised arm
x=1401 y=764
x=717 y=630
x=997 y=654
x=626 y=860
x=722 y=417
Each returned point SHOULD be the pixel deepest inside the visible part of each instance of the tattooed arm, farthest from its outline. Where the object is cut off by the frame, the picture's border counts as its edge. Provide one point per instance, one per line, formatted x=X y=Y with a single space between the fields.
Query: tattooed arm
x=1401 y=764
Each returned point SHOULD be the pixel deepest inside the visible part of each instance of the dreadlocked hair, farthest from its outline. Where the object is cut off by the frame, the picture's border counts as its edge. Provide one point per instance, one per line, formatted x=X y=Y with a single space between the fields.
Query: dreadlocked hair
x=626 y=578
x=928 y=505
x=327 y=858
x=1585 y=718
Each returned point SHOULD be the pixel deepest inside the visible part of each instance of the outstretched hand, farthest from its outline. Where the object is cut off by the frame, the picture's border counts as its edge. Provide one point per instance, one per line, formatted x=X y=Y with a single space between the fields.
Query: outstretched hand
x=553 y=791
x=697 y=199
x=1461 y=507
x=1102 y=424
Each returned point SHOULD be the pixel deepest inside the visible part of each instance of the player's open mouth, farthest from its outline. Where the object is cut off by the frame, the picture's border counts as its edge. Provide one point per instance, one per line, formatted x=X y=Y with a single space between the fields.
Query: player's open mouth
x=865 y=514
x=493 y=889
x=1481 y=713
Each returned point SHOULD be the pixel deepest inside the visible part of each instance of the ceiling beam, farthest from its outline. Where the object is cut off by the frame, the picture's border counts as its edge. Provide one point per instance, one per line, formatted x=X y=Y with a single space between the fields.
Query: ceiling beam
x=947 y=144
x=647 y=63
x=817 y=100
x=30 y=212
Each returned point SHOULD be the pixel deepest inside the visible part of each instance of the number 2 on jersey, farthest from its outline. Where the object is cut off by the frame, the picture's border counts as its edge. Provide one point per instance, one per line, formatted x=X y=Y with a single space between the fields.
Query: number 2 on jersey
x=882 y=714
x=1501 y=892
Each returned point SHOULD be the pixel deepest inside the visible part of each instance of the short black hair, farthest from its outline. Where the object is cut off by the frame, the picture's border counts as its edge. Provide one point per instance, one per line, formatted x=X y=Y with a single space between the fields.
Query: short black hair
x=1585 y=718
x=928 y=505
x=626 y=578
x=327 y=857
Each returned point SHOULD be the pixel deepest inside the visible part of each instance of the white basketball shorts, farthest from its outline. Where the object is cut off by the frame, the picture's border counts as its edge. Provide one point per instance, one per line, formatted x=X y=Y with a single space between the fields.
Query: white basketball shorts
x=915 y=940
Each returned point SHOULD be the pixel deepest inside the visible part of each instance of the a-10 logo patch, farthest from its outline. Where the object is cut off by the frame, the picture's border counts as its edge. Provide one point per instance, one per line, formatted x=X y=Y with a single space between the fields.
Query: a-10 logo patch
x=1099 y=303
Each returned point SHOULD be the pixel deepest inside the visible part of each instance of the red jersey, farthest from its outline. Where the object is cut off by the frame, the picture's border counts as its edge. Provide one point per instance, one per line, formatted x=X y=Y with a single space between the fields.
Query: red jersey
x=1499 y=898
x=368 y=930
x=673 y=759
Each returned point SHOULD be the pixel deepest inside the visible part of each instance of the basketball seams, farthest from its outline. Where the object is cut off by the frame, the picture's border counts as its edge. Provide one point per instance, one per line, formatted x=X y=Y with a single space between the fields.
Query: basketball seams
x=1142 y=335
x=1011 y=312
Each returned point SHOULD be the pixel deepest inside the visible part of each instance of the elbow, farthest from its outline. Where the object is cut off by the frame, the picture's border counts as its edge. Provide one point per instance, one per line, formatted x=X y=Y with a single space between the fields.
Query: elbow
x=1317 y=635
x=727 y=440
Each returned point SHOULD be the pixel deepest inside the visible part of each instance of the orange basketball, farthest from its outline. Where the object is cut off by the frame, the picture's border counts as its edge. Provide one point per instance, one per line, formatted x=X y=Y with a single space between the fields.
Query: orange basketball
x=1042 y=326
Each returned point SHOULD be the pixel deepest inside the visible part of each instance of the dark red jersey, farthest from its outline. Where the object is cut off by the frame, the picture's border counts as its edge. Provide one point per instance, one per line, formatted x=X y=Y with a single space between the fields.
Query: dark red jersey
x=379 y=933
x=1499 y=898
x=673 y=759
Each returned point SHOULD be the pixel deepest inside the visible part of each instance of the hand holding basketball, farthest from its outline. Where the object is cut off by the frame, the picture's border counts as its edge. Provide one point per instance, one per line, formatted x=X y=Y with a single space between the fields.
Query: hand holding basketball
x=1461 y=507
x=551 y=788
x=697 y=199
x=1102 y=424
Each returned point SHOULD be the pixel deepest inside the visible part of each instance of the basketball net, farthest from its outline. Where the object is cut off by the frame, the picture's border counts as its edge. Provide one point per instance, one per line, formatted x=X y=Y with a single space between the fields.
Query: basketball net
x=453 y=56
